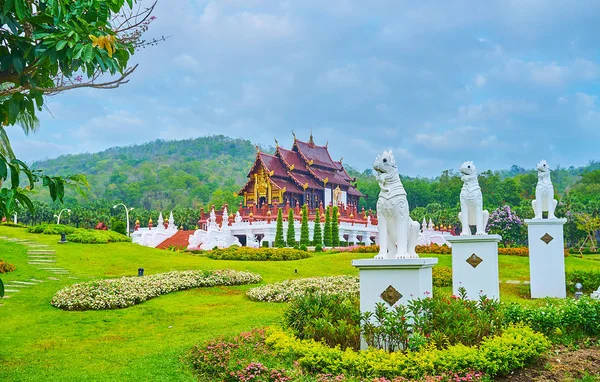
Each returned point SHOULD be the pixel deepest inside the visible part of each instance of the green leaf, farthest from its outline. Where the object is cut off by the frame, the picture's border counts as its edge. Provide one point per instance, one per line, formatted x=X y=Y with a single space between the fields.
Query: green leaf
x=61 y=44
x=88 y=53
x=1 y=289
x=3 y=168
x=24 y=200
x=8 y=6
x=20 y=8
x=18 y=63
x=14 y=176
x=25 y=171
x=52 y=189
x=13 y=111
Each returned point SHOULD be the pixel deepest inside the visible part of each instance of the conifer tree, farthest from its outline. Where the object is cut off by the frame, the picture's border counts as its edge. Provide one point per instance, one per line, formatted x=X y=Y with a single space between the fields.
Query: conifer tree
x=317 y=232
x=304 y=233
x=279 y=242
x=335 y=228
x=291 y=232
x=327 y=228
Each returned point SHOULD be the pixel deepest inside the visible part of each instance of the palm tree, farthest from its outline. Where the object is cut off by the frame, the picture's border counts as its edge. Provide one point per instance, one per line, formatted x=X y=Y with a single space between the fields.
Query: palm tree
x=28 y=122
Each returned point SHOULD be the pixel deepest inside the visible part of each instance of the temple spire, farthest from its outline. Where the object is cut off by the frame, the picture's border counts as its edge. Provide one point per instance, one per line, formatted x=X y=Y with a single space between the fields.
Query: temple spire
x=311 y=142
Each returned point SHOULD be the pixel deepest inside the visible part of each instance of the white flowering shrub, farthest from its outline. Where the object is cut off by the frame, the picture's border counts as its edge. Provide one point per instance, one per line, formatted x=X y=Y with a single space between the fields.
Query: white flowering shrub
x=288 y=289
x=128 y=291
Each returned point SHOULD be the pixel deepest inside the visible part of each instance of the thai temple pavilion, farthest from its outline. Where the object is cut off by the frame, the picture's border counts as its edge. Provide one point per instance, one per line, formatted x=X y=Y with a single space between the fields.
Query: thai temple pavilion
x=304 y=174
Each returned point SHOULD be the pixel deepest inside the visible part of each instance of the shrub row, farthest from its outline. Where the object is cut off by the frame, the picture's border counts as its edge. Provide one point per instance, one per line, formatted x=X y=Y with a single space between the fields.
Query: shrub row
x=590 y=280
x=563 y=320
x=79 y=235
x=127 y=291
x=515 y=348
x=246 y=357
x=257 y=254
x=6 y=267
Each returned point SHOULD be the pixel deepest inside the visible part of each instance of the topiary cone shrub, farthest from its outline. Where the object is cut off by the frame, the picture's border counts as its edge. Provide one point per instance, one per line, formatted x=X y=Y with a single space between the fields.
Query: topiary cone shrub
x=279 y=242
x=291 y=231
x=335 y=228
x=327 y=228
x=318 y=232
x=304 y=234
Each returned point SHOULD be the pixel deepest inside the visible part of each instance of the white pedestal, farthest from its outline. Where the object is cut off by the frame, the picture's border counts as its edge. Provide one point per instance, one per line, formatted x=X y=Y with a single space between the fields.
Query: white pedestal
x=546 y=257
x=475 y=265
x=396 y=280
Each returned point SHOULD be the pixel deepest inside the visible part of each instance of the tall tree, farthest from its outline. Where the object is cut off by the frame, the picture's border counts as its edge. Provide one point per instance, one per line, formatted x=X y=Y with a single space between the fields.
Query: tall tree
x=304 y=232
x=291 y=231
x=335 y=228
x=327 y=227
x=279 y=242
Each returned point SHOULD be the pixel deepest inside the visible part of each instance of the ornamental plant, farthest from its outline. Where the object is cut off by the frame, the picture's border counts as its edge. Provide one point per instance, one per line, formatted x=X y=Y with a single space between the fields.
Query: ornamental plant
x=290 y=289
x=335 y=228
x=291 y=231
x=317 y=232
x=304 y=235
x=507 y=224
x=6 y=267
x=279 y=242
x=327 y=227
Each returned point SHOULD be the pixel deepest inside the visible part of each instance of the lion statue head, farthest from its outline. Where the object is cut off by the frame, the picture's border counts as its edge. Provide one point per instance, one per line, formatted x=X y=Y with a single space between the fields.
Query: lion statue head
x=385 y=163
x=468 y=169
x=542 y=166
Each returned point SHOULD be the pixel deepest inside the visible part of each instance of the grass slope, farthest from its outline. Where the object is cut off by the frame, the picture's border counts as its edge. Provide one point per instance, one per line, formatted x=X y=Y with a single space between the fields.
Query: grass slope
x=146 y=341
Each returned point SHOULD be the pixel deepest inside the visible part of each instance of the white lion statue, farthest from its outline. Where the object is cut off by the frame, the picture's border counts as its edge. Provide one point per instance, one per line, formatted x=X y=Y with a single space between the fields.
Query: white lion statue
x=397 y=231
x=471 y=202
x=544 y=192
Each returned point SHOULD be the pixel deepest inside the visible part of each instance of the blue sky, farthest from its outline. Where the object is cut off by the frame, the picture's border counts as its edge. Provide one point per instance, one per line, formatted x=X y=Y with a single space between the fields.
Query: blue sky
x=438 y=82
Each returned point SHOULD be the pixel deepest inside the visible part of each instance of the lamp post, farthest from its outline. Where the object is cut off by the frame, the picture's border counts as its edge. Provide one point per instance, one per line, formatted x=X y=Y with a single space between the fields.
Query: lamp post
x=127 y=210
x=60 y=213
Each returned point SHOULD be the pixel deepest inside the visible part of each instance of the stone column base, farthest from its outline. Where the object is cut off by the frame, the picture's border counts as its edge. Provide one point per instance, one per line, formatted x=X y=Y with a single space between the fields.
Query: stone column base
x=546 y=257
x=475 y=265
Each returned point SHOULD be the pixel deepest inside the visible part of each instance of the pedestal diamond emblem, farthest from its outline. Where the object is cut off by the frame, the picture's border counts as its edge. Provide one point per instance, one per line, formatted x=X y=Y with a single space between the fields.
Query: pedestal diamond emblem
x=474 y=260
x=391 y=295
x=547 y=238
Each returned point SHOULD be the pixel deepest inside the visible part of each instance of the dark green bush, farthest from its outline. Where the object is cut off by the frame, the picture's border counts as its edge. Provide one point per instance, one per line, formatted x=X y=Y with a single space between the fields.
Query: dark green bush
x=318 y=248
x=562 y=320
x=257 y=254
x=92 y=236
x=303 y=247
x=118 y=226
x=333 y=319
x=590 y=280
x=51 y=229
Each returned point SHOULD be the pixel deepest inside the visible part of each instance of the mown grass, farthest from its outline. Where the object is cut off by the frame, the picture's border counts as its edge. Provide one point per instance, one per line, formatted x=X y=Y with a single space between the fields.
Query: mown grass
x=146 y=342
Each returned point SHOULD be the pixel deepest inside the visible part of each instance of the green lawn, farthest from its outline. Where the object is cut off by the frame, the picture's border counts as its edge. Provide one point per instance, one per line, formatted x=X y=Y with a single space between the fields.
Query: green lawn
x=146 y=342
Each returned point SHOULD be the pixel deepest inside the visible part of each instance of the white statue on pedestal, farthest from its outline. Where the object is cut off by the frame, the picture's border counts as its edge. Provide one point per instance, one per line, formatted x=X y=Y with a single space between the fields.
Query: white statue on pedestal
x=172 y=222
x=471 y=202
x=238 y=217
x=544 y=192
x=397 y=231
x=161 y=221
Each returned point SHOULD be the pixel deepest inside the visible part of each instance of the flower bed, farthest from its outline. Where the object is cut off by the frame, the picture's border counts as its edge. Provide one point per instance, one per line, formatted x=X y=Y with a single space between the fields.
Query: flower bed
x=275 y=355
x=6 y=267
x=128 y=291
x=257 y=254
x=288 y=289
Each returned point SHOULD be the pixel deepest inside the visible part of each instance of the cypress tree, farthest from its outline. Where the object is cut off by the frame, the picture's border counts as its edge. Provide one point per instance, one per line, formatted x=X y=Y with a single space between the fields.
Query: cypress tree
x=327 y=228
x=335 y=228
x=317 y=232
x=291 y=232
x=304 y=233
x=279 y=242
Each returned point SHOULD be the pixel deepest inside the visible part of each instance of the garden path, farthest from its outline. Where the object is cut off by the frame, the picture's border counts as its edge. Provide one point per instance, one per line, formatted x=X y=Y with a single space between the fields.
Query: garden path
x=39 y=255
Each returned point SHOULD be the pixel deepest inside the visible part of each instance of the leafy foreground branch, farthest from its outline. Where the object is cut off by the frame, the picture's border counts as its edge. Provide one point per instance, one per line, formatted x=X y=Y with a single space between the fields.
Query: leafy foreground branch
x=128 y=291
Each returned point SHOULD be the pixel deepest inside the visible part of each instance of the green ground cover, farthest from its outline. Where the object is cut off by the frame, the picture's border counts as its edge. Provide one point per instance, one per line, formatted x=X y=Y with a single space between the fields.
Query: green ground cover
x=146 y=341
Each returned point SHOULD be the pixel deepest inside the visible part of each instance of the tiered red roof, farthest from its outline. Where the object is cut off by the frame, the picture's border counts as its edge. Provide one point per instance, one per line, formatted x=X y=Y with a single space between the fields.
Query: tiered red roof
x=305 y=166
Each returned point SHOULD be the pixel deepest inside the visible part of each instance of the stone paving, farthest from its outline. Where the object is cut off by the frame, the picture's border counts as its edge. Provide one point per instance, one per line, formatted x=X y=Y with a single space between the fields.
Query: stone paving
x=41 y=256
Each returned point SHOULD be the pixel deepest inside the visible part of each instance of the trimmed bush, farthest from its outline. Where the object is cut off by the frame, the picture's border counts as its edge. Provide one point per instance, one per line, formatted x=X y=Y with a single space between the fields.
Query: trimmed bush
x=279 y=242
x=517 y=347
x=291 y=231
x=590 y=280
x=288 y=289
x=51 y=229
x=327 y=227
x=257 y=254
x=128 y=291
x=442 y=276
x=6 y=267
x=304 y=233
x=335 y=227
x=91 y=236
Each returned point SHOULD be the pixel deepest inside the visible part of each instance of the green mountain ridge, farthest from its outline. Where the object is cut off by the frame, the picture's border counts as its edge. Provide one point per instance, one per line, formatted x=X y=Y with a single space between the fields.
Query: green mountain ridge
x=194 y=173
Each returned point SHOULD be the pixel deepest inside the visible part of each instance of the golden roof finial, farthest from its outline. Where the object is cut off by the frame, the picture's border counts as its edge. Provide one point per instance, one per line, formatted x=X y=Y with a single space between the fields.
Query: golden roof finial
x=294 y=134
x=276 y=143
x=311 y=141
x=341 y=159
x=257 y=149
x=326 y=143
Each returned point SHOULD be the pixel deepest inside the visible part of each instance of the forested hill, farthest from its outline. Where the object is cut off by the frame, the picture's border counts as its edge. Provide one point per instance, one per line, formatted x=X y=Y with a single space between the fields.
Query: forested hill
x=162 y=174
x=194 y=173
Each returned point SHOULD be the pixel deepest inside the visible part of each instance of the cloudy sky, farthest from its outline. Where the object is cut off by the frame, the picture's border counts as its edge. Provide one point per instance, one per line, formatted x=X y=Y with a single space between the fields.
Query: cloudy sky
x=497 y=82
